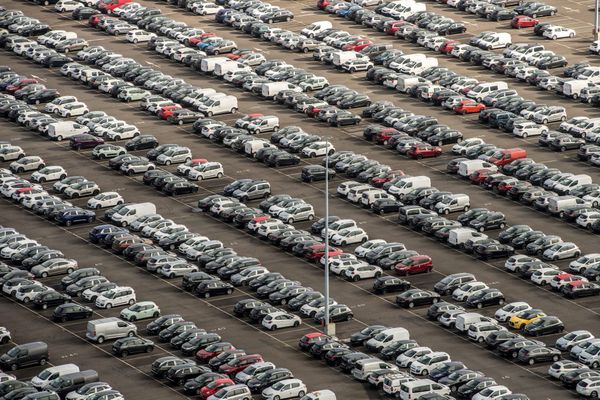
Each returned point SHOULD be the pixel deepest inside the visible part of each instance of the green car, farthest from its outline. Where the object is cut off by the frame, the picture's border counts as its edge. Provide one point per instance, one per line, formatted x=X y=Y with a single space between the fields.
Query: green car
x=104 y=151
x=141 y=310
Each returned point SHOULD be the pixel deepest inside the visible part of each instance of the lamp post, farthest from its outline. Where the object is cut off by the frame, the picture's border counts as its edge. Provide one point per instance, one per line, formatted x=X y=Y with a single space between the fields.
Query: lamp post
x=329 y=328
x=596 y=20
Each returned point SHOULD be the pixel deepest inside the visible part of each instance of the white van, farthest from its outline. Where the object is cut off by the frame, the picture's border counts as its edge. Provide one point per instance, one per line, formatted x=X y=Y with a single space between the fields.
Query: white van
x=386 y=338
x=131 y=212
x=406 y=82
x=253 y=146
x=408 y=184
x=208 y=64
x=496 y=40
x=467 y=167
x=464 y=321
x=41 y=380
x=223 y=67
x=558 y=204
x=416 y=389
x=567 y=185
x=573 y=87
x=453 y=203
x=98 y=330
x=417 y=67
x=341 y=57
x=371 y=196
x=320 y=395
x=270 y=90
x=483 y=89
x=364 y=367
x=316 y=27
x=407 y=10
x=405 y=59
x=219 y=105
x=459 y=236
x=65 y=129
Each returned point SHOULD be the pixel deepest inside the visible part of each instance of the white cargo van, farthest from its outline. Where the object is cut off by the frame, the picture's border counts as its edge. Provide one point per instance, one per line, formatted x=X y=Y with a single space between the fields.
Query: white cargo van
x=41 y=380
x=558 y=204
x=459 y=236
x=483 y=89
x=496 y=40
x=364 y=367
x=416 y=389
x=253 y=146
x=341 y=57
x=573 y=87
x=406 y=82
x=220 y=105
x=98 y=330
x=453 y=203
x=567 y=185
x=65 y=129
x=387 y=337
x=131 y=212
x=408 y=184
x=464 y=321
x=223 y=67
x=208 y=64
x=316 y=27
x=417 y=67
x=405 y=59
x=270 y=90
x=467 y=167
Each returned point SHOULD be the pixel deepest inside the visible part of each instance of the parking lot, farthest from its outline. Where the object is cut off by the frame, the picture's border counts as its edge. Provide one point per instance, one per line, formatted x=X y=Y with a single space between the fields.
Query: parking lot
x=132 y=375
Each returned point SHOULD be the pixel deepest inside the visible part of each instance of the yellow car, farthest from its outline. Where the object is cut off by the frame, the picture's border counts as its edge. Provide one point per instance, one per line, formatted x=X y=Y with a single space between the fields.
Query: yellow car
x=524 y=318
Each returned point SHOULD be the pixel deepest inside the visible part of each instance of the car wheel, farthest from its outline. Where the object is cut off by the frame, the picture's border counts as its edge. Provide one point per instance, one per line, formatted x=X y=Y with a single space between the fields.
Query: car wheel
x=411 y=305
x=69 y=223
x=14 y=367
x=531 y=361
x=124 y=353
x=108 y=306
x=100 y=339
x=229 y=291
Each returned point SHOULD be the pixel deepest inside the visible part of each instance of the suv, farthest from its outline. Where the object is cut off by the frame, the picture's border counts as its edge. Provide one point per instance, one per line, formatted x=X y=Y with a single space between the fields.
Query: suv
x=253 y=190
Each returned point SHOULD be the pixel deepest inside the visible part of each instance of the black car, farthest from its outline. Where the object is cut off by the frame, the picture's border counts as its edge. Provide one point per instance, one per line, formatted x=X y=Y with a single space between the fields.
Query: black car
x=268 y=378
x=491 y=220
x=544 y=326
x=84 y=13
x=181 y=373
x=313 y=173
x=396 y=348
x=70 y=311
x=360 y=337
x=538 y=353
x=383 y=206
x=282 y=158
x=132 y=345
x=439 y=308
x=344 y=118
x=192 y=386
x=486 y=297
x=200 y=342
x=388 y=283
x=493 y=250
x=141 y=142
x=43 y=96
x=50 y=298
x=417 y=297
x=184 y=116
x=207 y=289
x=180 y=187
x=470 y=388
x=581 y=289
x=445 y=369
x=496 y=338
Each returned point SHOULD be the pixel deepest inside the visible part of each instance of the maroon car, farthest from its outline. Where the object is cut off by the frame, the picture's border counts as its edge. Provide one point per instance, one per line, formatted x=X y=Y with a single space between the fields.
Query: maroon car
x=85 y=141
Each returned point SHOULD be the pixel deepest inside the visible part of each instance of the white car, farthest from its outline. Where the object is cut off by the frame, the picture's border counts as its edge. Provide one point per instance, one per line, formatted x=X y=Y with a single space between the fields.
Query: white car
x=514 y=263
x=280 y=319
x=106 y=199
x=28 y=163
x=208 y=170
x=349 y=236
x=356 y=273
x=587 y=219
x=559 y=32
x=405 y=359
x=285 y=389
x=27 y=293
x=562 y=250
x=206 y=8
x=585 y=262
x=562 y=367
x=492 y=392
x=526 y=129
x=462 y=147
x=468 y=289
x=67 y=5
x=571 y=339
x=49 y=173
x=253 y=370
x=318 y=149
x=8 y=153
x=87 y=188
x=72 y=109
x=340 y=266
x=4 y=377
x=508 y=310
x=177 y=269
x=544 y=276
x=125 y=131
x=424 y=364
x=367 y=246
x=119 y=296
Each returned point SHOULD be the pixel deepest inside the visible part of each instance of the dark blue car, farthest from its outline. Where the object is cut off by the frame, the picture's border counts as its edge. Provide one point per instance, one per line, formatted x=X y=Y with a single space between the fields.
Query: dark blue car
x=99 y=232
x=71 y=216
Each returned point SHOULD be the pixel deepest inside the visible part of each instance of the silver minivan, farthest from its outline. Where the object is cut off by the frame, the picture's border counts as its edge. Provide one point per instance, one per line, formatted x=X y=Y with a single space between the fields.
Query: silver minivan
x=98 y=330
x=254 y=190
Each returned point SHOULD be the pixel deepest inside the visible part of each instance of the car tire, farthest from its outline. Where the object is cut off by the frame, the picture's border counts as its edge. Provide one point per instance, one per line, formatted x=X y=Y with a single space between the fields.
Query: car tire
x=100 y=339
x=69 y=223
x=411 y=305
x=124 y=353
x=108 y=306
x=229 y=291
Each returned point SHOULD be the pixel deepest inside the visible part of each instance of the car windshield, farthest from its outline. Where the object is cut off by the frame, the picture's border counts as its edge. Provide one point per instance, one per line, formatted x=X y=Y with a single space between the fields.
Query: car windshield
x=44 y=374
x=110 y=295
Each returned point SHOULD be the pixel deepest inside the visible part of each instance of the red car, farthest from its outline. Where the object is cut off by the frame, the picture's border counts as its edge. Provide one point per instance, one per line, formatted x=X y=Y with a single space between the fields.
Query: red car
x=315 y=252
x=20 y=85
x=108 y=6
x=322 y=4
x=424 y=151
x=414 y=265
x=206 y=354
x=385 y=134
x=393 y=27
x=523 y=21
x=448 y=46
x=197 y=39
x=309 y=339
x=480 y=175
x=214 y=387
x=166 y=111
x=378 y=181
x=469 y=107
x=357 y=45
x=95 y=19
x=239 y=364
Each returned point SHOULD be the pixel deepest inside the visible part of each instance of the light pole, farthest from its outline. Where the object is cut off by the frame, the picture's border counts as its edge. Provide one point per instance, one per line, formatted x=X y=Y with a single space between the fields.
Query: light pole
x=596 y=20
x=329 y=329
